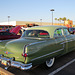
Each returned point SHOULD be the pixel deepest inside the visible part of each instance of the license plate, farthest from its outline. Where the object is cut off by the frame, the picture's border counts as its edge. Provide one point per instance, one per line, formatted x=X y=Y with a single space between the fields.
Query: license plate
x=4 y=62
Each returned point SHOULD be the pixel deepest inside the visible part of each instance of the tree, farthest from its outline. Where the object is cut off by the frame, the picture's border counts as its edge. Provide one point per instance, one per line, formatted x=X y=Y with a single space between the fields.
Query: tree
x=64 y=18
x=60 y=19
x=55 y=18
x=27 y=25
x=68 y=19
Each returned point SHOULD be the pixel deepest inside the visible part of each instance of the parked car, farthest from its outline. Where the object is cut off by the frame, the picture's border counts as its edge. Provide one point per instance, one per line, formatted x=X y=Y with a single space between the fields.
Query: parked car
x=7 y=35
x=12 y=34
x=71 y=30
x=36 y=46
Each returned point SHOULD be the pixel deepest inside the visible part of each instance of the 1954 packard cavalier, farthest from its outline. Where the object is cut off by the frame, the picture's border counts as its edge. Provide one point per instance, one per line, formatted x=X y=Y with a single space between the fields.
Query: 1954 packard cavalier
x=37 y=45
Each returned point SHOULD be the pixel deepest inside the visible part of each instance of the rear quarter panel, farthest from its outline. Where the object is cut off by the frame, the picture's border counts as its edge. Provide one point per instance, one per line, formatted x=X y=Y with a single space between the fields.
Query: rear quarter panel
x=39 y=53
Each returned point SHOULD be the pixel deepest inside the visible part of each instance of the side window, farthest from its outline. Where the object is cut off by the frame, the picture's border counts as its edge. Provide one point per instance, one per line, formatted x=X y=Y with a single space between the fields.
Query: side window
x=6 y=33
x=65 y=31
x=58 y=33
x=1 y=33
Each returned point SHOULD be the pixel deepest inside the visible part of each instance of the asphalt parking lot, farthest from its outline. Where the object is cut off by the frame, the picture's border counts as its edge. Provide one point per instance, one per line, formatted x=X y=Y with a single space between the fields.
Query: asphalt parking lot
x=64 y=65
x=69 y=70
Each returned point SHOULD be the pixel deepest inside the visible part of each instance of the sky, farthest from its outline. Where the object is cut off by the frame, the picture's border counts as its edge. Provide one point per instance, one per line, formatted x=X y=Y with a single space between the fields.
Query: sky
x=34 y=10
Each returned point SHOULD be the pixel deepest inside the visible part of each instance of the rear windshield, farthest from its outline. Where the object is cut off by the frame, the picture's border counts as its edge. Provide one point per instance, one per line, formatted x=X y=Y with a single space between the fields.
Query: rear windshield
x=36 y=33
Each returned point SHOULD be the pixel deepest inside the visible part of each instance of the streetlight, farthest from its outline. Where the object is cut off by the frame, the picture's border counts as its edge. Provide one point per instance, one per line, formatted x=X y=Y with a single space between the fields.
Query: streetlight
x=8 y=19
x=40 y=21
x=52 y=15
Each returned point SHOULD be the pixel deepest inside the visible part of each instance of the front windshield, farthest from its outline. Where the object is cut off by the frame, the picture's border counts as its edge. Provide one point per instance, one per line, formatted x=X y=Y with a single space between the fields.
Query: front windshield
x=36 y=33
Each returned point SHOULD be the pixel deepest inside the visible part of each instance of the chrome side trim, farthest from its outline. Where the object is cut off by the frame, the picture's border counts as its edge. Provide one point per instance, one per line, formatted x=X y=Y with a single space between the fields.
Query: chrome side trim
x=69 y=40
x=36 y=42
x=6 y=40
x=24 y=51
x=63 y=43
x=51 y=52
x=0 y=40
x=48 y=54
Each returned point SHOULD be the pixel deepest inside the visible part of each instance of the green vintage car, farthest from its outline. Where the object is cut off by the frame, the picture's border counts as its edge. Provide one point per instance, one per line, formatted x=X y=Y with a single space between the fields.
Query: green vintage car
x=37 y=45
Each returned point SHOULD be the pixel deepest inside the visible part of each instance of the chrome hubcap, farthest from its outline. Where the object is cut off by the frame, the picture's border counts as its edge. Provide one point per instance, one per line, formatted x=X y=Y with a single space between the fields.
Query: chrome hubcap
x=50 y=62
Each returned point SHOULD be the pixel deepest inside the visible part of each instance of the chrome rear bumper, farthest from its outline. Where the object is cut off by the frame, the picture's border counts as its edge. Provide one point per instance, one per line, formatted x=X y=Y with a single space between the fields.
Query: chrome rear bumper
x=16 y=64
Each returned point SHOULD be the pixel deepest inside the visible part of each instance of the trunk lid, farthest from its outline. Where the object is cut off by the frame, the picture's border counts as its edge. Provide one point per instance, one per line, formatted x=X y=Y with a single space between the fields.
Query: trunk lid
x=15 y=48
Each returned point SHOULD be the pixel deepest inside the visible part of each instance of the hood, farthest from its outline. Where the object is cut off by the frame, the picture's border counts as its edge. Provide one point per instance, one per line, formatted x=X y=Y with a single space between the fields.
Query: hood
x=15 y=30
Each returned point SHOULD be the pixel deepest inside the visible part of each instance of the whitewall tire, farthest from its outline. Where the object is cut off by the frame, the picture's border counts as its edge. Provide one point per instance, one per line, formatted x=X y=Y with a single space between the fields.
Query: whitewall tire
x=50 y=62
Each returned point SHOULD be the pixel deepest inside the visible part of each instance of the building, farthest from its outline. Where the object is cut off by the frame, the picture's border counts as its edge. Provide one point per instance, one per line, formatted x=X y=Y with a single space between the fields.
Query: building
x=69 y=23
x=23 y=23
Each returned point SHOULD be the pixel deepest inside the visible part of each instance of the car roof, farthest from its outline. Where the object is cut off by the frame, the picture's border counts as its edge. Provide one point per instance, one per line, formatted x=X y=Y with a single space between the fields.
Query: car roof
x=49 y=28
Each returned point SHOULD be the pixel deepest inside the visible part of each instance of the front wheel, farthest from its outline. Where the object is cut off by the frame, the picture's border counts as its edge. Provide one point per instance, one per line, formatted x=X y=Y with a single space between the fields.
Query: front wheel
x=50 y=62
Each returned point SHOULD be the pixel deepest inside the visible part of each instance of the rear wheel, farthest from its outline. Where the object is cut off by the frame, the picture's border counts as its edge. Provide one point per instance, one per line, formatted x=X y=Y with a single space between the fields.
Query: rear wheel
x=50 y=62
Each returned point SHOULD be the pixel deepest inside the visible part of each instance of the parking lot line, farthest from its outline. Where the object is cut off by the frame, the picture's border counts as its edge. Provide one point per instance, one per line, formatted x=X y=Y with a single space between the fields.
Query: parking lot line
x=57 y=70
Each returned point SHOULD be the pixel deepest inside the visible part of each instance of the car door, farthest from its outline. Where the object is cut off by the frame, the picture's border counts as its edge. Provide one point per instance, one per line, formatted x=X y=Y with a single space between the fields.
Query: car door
x=7 y=35
x=3 y=36
x=60 y=40
x=70 y=40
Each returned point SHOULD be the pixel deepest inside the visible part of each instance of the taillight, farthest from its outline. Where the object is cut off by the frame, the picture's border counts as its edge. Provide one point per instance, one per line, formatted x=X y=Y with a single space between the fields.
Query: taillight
x=25 y=55
x=22 y=54
x=6 y=52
